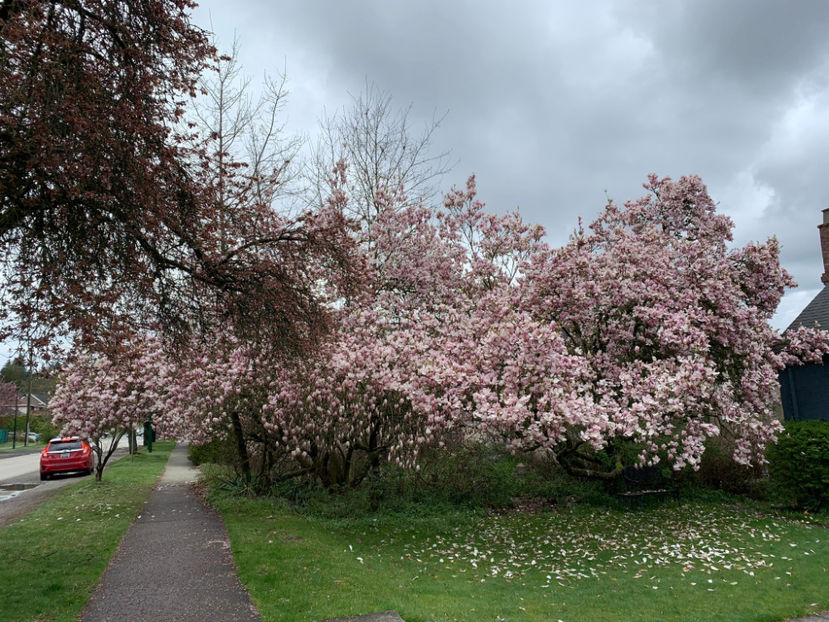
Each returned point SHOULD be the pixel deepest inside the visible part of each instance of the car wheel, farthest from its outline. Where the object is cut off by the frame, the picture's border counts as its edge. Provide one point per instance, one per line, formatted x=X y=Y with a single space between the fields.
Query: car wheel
x=44 y=477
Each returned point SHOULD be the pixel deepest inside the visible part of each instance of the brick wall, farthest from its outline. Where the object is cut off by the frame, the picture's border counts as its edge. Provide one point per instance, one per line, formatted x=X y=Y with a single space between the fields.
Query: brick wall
x=824 y=246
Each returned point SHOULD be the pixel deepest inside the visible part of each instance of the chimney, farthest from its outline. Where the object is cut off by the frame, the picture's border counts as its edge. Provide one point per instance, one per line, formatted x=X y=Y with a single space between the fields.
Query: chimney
x=824 y=246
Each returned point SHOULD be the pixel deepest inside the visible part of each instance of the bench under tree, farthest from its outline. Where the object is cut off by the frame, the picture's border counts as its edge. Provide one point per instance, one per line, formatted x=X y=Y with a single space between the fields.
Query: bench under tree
x=645 y=483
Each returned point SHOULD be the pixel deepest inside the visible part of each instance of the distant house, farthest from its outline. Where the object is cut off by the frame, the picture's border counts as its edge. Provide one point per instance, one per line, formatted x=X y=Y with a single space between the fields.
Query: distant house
x=804 y=389
x=39 y=403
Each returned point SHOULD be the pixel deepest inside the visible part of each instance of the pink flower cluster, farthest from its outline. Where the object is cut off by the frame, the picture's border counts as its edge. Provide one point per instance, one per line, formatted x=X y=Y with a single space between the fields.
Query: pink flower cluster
x=673 y=323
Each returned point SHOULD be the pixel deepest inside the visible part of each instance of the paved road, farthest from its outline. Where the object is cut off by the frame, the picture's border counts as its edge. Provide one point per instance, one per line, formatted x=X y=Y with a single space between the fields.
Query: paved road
x=24 y=465
x=15 y=465
x=20 y=487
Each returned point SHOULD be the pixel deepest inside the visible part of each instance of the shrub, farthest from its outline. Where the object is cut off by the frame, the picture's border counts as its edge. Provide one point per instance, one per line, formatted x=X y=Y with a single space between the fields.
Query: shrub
x=719 y=471
x=42 y=424
x=468 y=476
x=799 y=464
x=471 y=476
x=38 y=422
x=217 y=451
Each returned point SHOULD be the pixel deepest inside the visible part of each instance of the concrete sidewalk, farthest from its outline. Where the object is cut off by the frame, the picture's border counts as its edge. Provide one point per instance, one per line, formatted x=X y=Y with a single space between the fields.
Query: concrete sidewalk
x=174 y=563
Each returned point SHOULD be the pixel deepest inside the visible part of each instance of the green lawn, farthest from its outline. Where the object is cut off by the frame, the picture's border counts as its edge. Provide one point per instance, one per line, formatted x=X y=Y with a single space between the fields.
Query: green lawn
x=52 y=558
x=695 y=561
x=33 y=446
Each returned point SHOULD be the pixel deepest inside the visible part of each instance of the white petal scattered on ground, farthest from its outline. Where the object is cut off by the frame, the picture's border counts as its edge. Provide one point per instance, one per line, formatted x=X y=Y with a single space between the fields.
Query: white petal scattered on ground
x=571 y=546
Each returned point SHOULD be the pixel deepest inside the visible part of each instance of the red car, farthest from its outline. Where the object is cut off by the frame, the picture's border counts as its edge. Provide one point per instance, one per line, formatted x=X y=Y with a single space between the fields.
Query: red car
x=63 y=455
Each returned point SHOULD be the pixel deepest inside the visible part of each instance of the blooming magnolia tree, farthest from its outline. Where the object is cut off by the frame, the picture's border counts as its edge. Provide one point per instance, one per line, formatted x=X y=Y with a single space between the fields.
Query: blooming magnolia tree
x=357 y=398
x=395 y=372
x=672 y=325
x=100 y=398
x=420 y=358
x=647 y=329
x=217 y=388
x=376 y=393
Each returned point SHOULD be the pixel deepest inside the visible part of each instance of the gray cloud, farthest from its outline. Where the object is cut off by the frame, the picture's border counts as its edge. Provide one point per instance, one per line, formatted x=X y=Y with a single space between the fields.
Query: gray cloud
x=551 y=103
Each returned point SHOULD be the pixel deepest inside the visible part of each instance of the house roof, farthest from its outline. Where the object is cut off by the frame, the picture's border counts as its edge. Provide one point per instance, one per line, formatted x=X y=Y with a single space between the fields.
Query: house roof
x=38 y=399
x=816 y=312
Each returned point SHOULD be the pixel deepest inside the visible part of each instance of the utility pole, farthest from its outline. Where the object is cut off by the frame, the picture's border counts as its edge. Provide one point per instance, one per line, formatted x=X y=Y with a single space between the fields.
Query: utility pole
x=28 y=396
x=16 y=408
x=28 y=409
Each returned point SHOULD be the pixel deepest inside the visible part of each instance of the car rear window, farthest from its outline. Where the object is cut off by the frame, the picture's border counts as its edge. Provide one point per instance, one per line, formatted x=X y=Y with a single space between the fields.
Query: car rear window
x=64 y=445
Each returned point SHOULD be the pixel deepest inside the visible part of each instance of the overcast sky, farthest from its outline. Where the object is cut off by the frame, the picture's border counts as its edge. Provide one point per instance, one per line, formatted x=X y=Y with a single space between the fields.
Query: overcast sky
x=556 y=105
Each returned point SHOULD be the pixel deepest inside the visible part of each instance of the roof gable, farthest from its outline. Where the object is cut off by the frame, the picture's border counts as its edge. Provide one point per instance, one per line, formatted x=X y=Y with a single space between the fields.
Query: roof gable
x=816 y=312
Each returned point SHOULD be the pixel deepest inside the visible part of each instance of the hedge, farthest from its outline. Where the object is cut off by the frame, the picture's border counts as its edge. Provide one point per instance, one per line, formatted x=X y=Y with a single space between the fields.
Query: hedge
x=799 y=464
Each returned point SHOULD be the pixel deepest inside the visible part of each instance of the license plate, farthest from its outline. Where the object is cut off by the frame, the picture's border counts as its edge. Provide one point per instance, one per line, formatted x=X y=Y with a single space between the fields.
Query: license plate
x=65 y=454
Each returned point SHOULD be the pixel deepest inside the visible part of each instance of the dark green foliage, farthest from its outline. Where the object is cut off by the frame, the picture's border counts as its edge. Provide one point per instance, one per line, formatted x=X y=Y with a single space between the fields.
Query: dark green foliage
x=42 y=424
x=469 y=475
x=476 y=477
x=799 y=464
x=217 y=451
x=718 y=471
x=14 y=371
x=44 y=381
x=240 y=485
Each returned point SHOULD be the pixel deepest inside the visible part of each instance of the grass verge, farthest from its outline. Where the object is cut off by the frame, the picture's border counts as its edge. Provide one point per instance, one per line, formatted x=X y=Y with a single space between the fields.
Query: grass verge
x=33 y=446
x=701 y=560
x=52 y=558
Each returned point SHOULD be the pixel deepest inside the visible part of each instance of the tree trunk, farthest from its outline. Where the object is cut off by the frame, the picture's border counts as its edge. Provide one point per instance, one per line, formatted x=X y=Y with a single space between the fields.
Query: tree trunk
x=241 y=446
